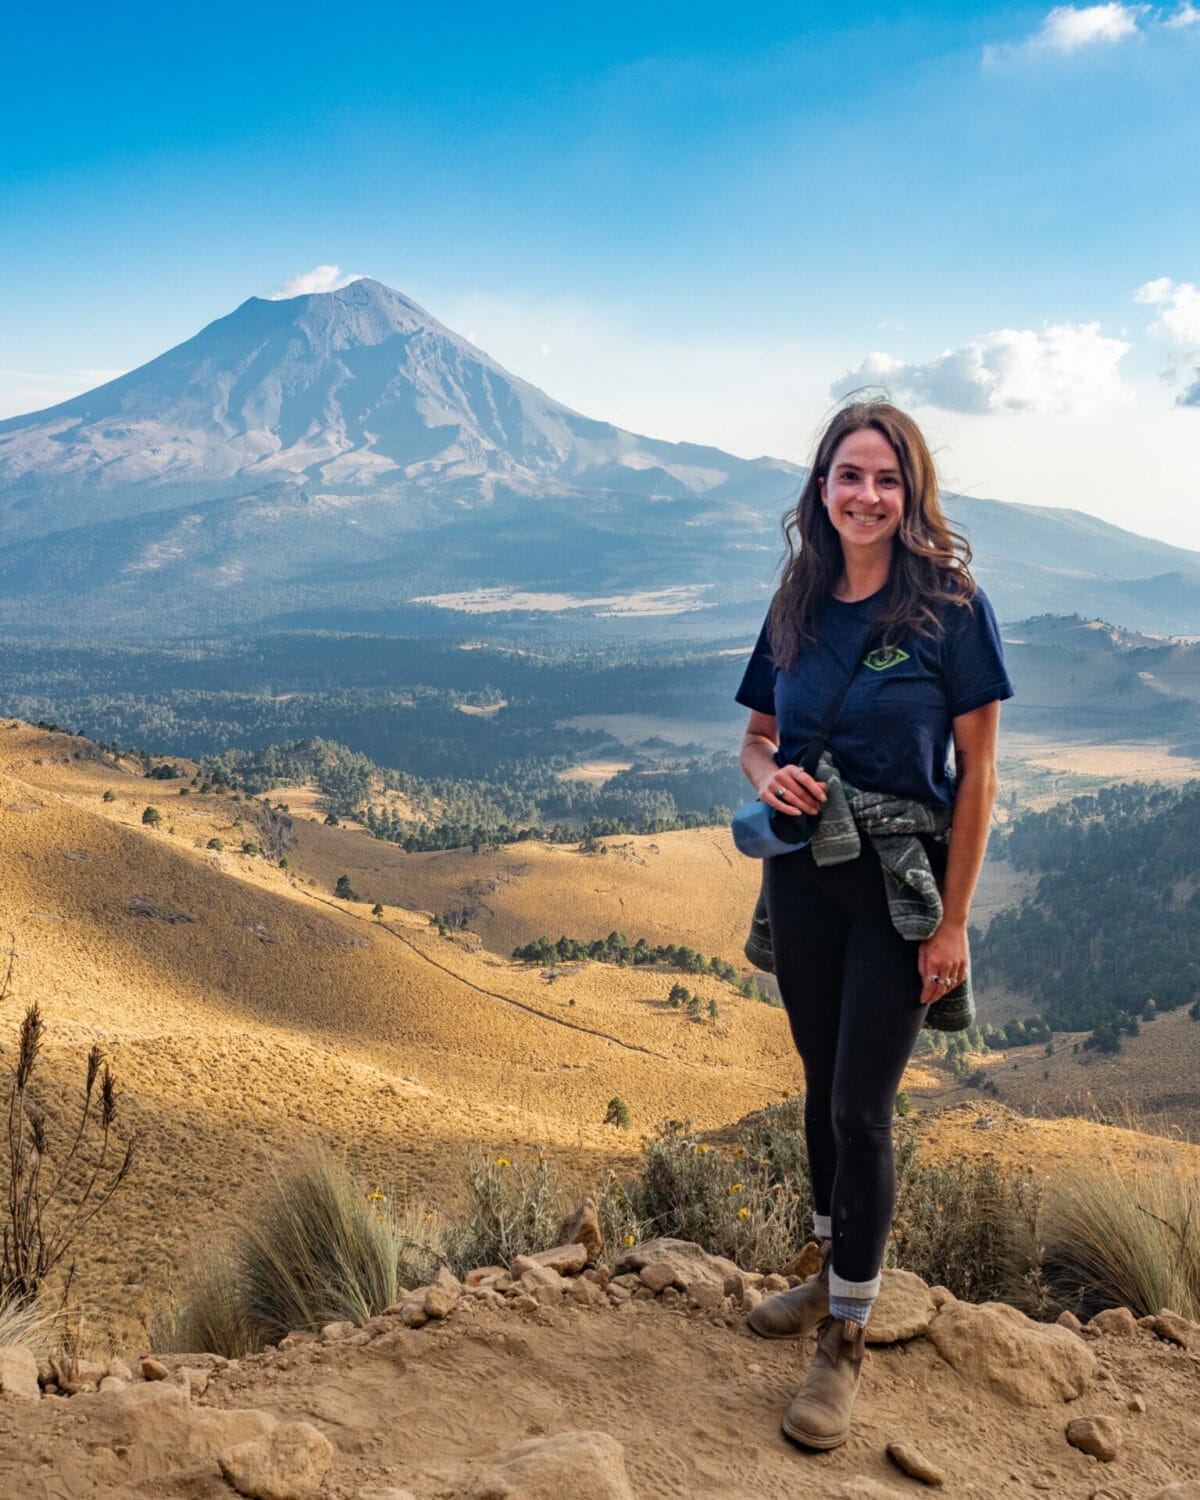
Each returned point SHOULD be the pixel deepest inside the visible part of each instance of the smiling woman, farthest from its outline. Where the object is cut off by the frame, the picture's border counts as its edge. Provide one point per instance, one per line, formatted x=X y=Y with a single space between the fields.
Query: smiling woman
x=877 y=612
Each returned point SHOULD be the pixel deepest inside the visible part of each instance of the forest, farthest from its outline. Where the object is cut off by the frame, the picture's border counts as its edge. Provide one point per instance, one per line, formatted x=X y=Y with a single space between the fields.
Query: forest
x=1112 y=933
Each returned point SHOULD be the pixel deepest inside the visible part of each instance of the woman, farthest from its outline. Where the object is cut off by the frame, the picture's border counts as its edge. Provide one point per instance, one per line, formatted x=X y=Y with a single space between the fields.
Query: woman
x=876 y=590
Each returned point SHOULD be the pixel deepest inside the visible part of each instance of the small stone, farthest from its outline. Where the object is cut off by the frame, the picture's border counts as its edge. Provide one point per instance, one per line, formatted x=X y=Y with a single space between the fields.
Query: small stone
x=120 y=1369
x=601 y=1275
x=524 y=1303
x=152 y=1370
x=671 y=1296
x=588 y=1293
x=112 y=1383
x=1136 y=1403
x=751 y=1297
x=618 y=1294
x=412 y=1312
x=908 y=1456
x=804 y=1265
x=566 y=1260
x=444 y=1295
x=775 y=1284
x=1170 y=1327
x=297 y=1338
x=333 y=1333
x=1067 y=1319
x=481 y=1275
x=536 y=1275
x=1099 y=1436
x=658 y=1275
x=289 y=1463
x=583 y=1228
x=644 y=1294
x=1116 y=1322
x=705 y=1297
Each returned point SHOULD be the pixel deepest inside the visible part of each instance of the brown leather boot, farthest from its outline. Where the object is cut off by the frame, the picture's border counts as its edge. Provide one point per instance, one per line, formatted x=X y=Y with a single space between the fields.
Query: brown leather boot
x=796 y=1313
x=819 y=1416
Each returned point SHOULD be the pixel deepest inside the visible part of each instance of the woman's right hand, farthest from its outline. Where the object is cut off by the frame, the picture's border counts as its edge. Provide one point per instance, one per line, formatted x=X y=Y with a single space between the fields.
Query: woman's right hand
x=792 y=790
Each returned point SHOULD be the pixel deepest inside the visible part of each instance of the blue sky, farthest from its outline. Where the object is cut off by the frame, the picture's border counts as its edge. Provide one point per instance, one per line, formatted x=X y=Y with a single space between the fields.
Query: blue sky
x=699 y=222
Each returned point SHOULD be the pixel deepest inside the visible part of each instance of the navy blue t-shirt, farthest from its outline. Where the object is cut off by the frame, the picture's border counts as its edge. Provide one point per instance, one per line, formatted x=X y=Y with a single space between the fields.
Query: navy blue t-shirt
x=894 y=731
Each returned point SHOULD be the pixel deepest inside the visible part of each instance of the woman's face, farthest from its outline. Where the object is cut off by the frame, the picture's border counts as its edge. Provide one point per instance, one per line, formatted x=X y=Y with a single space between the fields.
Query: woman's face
x=863 y=492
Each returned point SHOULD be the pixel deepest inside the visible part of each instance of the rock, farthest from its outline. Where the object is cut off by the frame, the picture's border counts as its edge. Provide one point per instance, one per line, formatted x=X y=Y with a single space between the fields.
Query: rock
x=297 y=1338
x=333 y=1333
x=525 y=1303
x=19 y=1373
x=751 y=1297
x=542 y=1278
x=1171 y=1327
x=588 y=1294
x=1067 y=1319
x=567 y=1260
x=289 y=1463
x=705 y=1297
x=941 y=1295
x=772 y=1284
x=481 y=1275
x=1117 y=1322
x=161 y=1434
x=1031 y=1364
x=583 y=1228
x=902 y=1310
x=804 y=1265
x=1099 y=1436
x=618 y=1294
x=601 y=1275
x=1136 y=1403
x=908 y=1456
x=671 y=1296
x=194 y=1381
x=412 y=1310
x=153 y=1370
x=590 y=1464
x=444 y=1295
x=677 y=1263
x=110 y=1383
x=120 y=1369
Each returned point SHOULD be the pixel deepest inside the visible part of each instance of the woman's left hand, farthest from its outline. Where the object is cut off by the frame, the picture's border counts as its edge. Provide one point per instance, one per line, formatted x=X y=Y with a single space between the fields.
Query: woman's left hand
x=942 y=961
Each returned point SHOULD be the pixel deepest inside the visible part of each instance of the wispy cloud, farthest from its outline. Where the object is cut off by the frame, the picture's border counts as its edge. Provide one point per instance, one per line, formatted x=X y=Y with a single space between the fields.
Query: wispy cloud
x=1064 y=368
x=1072 y=28
x=319 y=279
x=1178 y=322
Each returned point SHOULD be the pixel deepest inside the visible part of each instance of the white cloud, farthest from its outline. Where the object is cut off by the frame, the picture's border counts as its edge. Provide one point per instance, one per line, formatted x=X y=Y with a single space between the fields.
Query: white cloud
x=1070 y=28
x=1066 y=367
x=1178 y=322
x=319 y=279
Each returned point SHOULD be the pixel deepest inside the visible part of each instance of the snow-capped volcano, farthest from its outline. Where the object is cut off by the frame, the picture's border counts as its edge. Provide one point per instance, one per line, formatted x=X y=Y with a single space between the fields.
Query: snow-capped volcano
x=339 y=455
x=353 y=390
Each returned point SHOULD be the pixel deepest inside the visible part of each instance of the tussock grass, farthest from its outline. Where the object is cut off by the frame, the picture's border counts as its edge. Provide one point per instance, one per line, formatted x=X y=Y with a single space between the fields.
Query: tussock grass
x=29 y=1326
x=1126 y=1240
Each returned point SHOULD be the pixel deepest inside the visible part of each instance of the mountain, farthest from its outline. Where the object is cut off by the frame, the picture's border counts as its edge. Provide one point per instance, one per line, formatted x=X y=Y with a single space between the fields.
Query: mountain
x=341 y=455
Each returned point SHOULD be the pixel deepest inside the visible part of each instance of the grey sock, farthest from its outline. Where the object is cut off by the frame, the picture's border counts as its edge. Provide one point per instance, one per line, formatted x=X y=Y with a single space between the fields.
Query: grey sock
x=852 y=1309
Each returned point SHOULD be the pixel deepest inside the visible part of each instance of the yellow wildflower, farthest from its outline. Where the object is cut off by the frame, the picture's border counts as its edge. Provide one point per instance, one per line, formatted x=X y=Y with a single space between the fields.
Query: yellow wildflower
x=737 y=1187
x=629 y=1239
x=503 y=1161
x=739 y=1151
x=375 y=1197
x=703 y=1150
x=743 y=1212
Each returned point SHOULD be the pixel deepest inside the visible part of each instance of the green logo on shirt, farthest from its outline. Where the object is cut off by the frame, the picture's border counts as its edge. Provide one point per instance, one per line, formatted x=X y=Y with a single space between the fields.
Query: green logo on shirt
x=880 y=661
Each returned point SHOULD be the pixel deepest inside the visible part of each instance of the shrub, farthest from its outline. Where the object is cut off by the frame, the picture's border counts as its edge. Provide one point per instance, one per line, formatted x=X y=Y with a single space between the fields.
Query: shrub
x=344 y=891
x=250 y=847
x=617 y=1113
x=152 y=817
x=512 y=1209
x=904 y=1104
x=968 y=1227
x=42 y=1217
x=109 y=796
x=217 y=844
x=1125 y=1240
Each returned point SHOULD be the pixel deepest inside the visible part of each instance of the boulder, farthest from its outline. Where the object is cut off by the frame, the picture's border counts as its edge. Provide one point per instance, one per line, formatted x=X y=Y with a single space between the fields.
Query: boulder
x=1067 y=1319
x=1117 y=1322
x=1031 y=1364
x=908 y=1457
x=678 y=1263
x=590 y=1464
x=289 y=1463
x=19 y=1373
x=583 y=1228
x=1099 y=1436
x=153 y=1369
x=567 y=1260
x=903 y=1309
x=481 y=1275
x=160 y=1433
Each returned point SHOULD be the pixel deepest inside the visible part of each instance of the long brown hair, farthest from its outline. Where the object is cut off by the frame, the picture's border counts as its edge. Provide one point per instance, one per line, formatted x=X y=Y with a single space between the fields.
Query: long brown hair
x=930 y=561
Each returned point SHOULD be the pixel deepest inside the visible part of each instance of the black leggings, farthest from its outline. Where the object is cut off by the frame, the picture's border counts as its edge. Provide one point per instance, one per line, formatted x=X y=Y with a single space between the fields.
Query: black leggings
x=850 y=984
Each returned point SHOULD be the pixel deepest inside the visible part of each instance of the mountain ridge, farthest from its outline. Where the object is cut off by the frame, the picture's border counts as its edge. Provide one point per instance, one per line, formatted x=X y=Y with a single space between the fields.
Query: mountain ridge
x=345 y=451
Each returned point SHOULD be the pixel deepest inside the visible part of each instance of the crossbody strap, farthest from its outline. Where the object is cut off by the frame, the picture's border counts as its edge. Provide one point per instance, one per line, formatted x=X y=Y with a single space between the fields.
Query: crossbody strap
x=808 y=757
